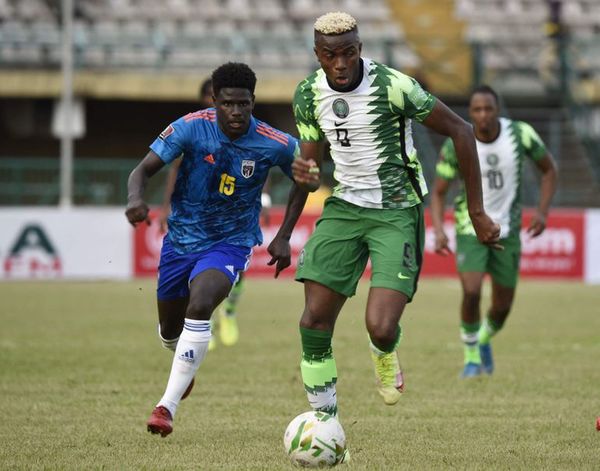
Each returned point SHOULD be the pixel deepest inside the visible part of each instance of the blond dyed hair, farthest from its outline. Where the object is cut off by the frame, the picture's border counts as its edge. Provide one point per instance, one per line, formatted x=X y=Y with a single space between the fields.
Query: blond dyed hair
x=336 y=22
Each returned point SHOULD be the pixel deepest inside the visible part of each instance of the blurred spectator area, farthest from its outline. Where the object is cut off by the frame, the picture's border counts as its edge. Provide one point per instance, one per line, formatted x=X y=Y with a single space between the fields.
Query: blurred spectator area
x=507 y=38
x=146 y=58
x=182 y=36
x=518 y=44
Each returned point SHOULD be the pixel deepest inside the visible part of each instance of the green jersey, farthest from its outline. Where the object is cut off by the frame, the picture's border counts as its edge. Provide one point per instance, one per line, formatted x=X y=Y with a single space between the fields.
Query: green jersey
x=501 y=164
x=369 y=129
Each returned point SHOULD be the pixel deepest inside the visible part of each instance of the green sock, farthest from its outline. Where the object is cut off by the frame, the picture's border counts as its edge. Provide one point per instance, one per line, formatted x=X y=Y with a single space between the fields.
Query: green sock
x=488 y=329
x=468 y=334
x=231 y=301
x=378 y=351
x=319 y=372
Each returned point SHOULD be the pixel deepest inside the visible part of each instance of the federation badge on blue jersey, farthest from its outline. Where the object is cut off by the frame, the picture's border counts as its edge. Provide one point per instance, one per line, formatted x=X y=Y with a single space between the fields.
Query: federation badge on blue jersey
x=248 y=168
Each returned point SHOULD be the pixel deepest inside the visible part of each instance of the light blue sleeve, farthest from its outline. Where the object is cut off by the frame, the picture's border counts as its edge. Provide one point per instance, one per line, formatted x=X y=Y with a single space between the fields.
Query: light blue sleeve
x=173 y=141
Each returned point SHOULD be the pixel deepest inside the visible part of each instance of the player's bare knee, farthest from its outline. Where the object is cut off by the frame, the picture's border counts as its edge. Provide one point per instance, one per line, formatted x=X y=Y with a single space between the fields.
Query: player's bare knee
x=199 y=310
x=383 y=334
x=315 y=320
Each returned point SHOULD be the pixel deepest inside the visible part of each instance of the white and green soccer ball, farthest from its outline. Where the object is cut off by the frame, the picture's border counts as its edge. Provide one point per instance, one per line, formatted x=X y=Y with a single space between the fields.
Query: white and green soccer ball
x=315 y=440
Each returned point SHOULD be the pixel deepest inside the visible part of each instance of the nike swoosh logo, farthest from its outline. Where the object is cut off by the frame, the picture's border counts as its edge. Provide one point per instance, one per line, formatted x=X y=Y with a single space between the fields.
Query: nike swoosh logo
x=340 y=123
x=402 y=277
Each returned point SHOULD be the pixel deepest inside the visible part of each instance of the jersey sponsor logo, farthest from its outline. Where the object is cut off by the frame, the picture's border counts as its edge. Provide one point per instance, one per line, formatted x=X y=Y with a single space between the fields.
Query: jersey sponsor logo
x=492 y=159
x=167 y=132
x=248 y=168
x=340 y=108
x=210 y=159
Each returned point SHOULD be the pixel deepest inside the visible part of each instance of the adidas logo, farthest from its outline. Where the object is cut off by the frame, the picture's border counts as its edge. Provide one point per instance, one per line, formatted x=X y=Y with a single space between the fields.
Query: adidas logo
x=210 y=159
x=187 y=356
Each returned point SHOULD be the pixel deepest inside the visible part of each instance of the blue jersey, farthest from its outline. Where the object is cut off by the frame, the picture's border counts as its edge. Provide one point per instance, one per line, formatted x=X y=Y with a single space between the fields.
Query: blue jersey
x=219 y=183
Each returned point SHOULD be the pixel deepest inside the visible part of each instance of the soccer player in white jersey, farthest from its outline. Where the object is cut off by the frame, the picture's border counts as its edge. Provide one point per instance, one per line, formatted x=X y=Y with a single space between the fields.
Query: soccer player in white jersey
x=502 y=146
x=364 y=109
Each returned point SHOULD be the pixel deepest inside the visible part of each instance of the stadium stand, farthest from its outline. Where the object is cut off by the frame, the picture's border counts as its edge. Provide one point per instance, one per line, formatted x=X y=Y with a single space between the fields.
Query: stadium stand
x=269 y=34
x=156 y=50
x=513 y=35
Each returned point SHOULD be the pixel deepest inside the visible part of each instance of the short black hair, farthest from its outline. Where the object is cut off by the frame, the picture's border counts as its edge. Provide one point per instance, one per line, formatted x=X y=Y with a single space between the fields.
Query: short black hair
x=205 y=89
x=233 y=75
x=484 y=89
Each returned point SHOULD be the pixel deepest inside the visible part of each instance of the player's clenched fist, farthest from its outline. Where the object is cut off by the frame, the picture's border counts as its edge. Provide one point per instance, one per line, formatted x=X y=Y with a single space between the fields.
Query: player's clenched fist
x=306 y=174
x=136 y=212
x=488 y=232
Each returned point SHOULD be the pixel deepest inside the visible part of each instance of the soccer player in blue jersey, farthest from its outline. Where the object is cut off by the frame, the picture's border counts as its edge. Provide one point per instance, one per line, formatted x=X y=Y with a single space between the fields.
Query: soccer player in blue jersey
x=227 y=155
x=226 y=321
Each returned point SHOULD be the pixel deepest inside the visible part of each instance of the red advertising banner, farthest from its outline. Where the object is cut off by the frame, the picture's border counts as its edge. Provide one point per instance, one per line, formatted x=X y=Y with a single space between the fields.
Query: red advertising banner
x=147 y=242
x=558 y=252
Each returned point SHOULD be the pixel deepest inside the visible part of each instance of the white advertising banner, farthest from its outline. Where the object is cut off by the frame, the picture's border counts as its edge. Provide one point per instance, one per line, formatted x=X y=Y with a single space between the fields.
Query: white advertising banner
x=51 y=243
x=592 y=246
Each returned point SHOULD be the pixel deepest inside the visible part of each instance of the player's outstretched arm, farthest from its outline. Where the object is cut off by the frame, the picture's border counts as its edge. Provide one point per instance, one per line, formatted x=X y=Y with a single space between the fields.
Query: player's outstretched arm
x=547 y=188
x=444 y=121
x=137 y=210
x=306 y=167
x=438 y=199
x=279 y=248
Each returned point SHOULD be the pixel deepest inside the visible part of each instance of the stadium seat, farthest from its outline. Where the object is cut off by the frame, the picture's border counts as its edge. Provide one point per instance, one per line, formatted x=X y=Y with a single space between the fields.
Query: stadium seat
x=45 y=33
x=14 y=32
x=6 y=10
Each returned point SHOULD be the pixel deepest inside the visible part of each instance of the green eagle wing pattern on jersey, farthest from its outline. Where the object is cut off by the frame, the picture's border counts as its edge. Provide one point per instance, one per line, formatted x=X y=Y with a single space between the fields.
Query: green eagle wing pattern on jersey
x=402 y=96
x=304 y=109
x=447 y=168
x=528 y=144
x=532 y=143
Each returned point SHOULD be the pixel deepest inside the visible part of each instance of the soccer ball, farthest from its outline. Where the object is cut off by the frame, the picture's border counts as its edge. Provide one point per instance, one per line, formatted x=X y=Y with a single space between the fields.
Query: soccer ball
x=315 y=440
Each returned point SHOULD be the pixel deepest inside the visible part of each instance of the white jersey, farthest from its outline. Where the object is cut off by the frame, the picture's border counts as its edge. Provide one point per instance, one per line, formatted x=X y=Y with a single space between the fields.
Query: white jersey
x=501 y=163
x=369 y=129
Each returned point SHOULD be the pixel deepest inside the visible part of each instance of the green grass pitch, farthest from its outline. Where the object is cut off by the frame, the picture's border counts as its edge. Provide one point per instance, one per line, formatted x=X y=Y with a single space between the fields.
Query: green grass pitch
x=81 y=368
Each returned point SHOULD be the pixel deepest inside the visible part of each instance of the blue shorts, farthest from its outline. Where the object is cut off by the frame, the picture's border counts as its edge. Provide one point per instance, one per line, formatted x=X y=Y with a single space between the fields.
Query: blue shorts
x=176 y=271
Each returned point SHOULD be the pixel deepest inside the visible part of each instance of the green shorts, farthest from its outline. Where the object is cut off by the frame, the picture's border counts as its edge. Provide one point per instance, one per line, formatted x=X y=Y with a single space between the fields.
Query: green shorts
x=502 y=265
x=346 y=237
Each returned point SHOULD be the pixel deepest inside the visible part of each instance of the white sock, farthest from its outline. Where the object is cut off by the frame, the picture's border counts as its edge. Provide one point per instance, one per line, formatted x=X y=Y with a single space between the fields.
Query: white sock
x=169 y=344
x=191 y=350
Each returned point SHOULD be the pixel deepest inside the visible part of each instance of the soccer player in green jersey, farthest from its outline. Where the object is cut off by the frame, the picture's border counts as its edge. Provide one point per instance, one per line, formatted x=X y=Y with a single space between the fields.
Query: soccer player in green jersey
x=502 y=146
x=364 y=109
